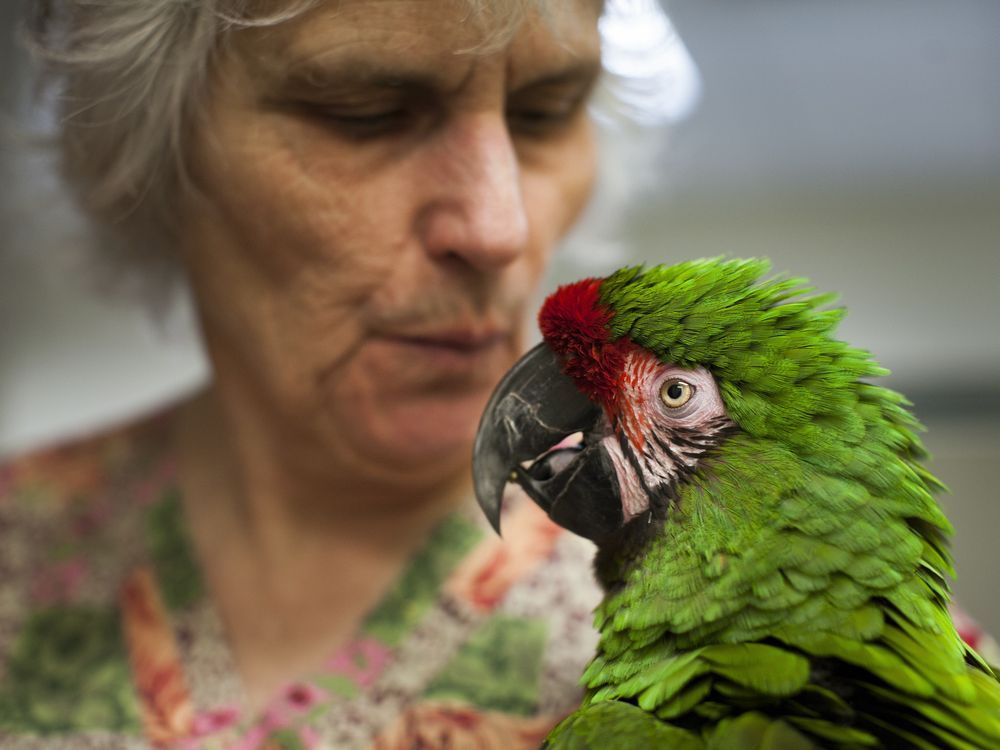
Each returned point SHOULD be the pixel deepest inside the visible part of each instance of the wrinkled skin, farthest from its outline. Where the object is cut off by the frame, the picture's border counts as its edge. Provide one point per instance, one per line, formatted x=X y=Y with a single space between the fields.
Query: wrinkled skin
x=377 y=210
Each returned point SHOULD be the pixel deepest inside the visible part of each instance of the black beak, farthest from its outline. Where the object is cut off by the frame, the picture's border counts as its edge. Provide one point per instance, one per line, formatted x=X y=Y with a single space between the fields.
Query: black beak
x=534 y=408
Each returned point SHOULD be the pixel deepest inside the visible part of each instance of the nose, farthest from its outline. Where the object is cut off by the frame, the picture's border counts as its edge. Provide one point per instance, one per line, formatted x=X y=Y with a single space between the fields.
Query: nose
x=474 y=206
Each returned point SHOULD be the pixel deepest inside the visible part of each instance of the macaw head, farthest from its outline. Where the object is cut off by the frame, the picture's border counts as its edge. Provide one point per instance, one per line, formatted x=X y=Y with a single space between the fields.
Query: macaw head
x=645 y=375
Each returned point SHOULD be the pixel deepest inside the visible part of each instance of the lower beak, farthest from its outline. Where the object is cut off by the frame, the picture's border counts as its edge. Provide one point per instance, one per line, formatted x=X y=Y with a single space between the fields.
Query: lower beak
x=534 y=408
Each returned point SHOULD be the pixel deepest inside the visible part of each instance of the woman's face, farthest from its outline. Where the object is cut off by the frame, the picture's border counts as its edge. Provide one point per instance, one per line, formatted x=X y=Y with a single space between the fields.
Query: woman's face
x=377 y=205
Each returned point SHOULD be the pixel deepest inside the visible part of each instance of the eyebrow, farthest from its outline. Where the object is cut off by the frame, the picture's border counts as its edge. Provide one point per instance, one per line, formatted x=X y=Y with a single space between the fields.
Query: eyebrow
x=362 y=73
x=578 y=72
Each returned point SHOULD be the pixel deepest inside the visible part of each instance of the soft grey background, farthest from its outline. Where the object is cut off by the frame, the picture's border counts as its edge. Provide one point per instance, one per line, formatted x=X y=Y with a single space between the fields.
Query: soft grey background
x=854 y=142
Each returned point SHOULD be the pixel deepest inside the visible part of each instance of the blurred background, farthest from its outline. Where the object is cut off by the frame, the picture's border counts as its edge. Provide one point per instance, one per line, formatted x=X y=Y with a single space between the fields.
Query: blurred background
x=856 y=143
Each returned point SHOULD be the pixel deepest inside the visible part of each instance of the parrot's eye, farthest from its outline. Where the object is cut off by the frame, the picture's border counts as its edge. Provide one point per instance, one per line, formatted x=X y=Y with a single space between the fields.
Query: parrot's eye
x=675 y=393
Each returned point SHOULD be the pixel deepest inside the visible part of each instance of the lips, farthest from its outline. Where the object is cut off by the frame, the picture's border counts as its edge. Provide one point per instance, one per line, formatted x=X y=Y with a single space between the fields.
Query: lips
x=455 y=356
x=460 y=341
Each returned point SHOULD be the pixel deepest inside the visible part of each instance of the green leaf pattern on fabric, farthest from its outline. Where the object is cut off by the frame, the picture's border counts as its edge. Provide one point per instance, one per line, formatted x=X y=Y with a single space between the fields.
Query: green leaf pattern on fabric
x=95 y=514
x=338 y=684
x=69 y=671
x=497 y=668
x=170 y=551
x=285 y=739
x=419 y=587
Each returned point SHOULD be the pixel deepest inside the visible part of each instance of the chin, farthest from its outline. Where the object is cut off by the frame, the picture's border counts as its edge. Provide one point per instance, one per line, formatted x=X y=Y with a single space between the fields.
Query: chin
x=424 y=436
x=415 y=415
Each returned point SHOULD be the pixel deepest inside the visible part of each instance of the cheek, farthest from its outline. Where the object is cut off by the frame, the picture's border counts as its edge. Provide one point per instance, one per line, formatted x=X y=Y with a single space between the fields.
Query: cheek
x=289 y=213
x=285 y=261
x=558 y=184
x=581 y=173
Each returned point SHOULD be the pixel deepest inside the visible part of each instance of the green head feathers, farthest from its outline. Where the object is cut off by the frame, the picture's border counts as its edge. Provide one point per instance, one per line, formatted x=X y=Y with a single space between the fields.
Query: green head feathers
x=768 y=342
x=803 y=419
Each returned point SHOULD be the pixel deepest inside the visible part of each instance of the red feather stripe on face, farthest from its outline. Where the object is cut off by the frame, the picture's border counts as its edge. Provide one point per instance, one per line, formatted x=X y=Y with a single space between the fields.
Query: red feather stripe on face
x=631 y=420
x=575 y=324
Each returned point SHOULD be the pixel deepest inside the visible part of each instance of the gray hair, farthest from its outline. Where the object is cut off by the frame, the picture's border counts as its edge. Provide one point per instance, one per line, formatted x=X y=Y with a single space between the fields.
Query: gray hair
x=129 y=78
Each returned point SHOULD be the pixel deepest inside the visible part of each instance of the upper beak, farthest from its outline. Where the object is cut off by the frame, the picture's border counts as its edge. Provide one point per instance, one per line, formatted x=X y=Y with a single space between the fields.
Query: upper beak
x=533 y=408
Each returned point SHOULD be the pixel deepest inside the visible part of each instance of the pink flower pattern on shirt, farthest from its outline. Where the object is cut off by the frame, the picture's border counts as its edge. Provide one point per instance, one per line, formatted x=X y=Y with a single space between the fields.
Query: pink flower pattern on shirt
x=58 y=581
x=360 y=661
x=93 y=537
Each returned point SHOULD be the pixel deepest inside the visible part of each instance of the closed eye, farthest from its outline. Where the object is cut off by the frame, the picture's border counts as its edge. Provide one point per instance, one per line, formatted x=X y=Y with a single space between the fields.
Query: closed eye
x=543 y=118
x=552 y=103
x=362 y=126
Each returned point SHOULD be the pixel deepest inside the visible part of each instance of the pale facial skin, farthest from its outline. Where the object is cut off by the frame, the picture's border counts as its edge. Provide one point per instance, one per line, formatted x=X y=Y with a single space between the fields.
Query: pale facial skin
x=380 y=209
x=376 y=208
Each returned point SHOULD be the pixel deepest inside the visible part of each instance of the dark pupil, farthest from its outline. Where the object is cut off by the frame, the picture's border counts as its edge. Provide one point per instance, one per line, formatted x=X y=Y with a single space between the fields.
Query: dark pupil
x=675 y=391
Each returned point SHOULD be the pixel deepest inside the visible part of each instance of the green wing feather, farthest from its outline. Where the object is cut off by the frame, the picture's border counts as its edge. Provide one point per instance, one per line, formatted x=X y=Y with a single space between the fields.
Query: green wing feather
x=611 y=725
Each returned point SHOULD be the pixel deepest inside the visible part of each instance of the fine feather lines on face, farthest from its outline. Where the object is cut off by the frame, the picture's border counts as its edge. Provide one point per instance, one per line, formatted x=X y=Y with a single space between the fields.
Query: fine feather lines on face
x=659 y=436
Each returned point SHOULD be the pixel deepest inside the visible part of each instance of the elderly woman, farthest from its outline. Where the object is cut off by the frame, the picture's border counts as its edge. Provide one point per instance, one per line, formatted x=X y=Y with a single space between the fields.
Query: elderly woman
x=363 y=196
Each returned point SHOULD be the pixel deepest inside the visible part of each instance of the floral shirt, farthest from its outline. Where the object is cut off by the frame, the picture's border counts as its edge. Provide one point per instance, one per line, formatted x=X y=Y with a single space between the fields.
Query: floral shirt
x=108 y=639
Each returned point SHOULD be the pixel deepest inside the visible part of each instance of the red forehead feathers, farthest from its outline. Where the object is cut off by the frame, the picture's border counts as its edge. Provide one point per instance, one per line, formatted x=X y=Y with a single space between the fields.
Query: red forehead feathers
x=575 y=324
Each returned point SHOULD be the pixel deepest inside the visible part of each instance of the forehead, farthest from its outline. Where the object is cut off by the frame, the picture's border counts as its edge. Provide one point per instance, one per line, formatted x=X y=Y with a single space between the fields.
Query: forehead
x=444 y=36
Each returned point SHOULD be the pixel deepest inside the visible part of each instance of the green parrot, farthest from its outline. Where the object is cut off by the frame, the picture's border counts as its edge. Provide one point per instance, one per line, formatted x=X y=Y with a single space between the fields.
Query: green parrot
x=774 y=563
